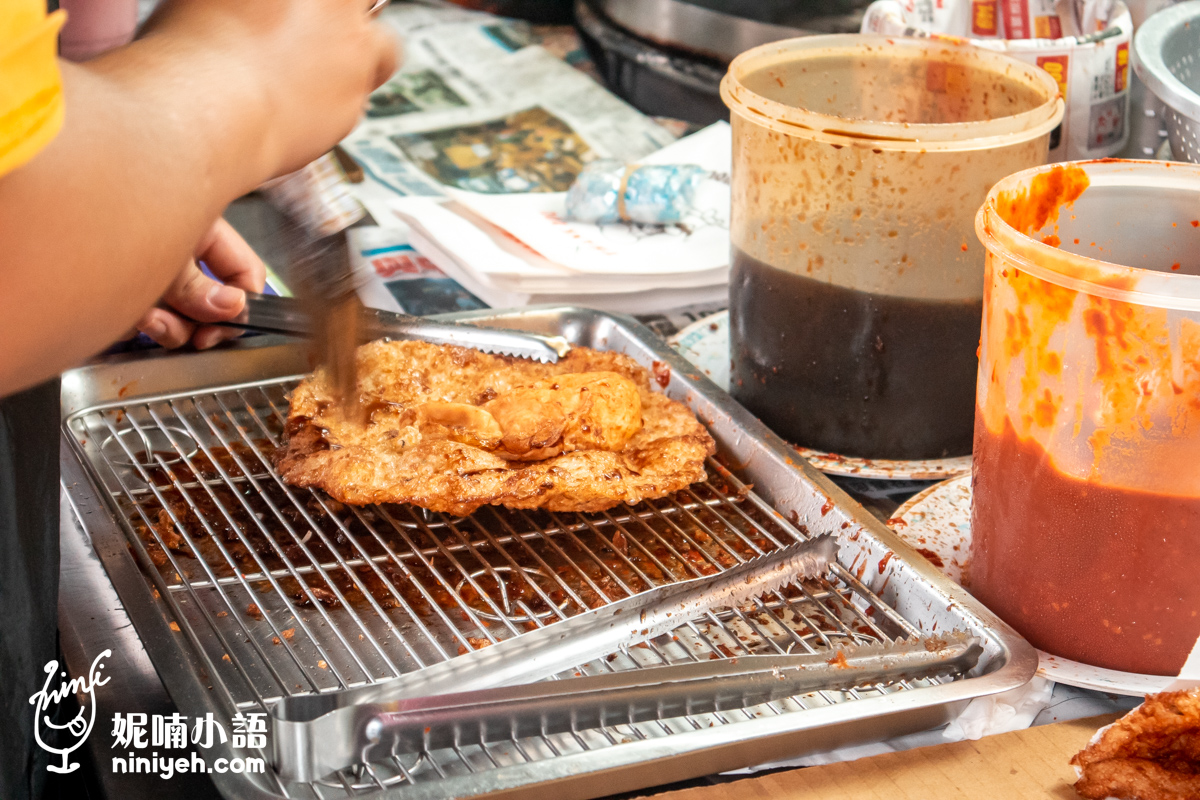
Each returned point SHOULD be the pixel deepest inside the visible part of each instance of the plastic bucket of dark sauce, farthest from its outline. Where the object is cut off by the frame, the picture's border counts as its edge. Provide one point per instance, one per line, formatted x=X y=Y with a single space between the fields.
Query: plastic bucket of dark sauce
x=856 y=288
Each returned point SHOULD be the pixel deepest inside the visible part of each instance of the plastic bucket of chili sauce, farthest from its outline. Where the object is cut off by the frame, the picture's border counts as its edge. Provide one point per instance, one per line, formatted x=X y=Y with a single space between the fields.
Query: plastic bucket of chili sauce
x=1086 y=511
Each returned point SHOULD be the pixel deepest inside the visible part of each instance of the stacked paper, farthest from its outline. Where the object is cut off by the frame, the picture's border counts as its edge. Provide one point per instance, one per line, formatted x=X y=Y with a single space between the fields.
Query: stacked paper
x=518 y=249
x=469 y=151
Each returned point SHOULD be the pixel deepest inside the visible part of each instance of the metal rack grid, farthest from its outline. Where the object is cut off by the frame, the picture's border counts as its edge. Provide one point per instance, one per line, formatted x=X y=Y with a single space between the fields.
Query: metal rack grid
x=285 y=591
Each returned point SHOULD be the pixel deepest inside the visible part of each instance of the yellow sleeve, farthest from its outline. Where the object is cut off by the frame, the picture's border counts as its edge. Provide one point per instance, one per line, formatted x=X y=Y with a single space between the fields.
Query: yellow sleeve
x=31 y=103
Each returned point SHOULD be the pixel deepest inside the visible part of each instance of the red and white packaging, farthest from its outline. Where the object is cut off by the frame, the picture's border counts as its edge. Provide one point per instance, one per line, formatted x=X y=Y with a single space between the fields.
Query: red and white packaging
x=976 y=18
x=985 y=19
x=1092 y=73
x=1031 y=19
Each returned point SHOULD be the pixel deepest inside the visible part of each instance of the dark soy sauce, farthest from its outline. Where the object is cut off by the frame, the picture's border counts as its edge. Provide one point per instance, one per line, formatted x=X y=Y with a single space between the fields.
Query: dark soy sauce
x=850 y=372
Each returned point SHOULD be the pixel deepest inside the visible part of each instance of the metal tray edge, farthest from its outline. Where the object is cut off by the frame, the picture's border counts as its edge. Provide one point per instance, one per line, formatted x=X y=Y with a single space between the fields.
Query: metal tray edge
x=88 y=386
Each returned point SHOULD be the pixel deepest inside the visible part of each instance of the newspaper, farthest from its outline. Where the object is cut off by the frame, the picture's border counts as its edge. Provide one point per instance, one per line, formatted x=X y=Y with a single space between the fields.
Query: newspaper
x=470 y=148
x=519 y=248
x=466 y=155
x=393 y=276
x=697 y=246
x=475 y=107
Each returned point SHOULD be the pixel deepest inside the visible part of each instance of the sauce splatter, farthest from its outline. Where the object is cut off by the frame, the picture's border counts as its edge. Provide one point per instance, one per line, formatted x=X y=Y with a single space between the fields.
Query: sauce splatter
x=662 y=373
x=1031 y=209
x=931 y=557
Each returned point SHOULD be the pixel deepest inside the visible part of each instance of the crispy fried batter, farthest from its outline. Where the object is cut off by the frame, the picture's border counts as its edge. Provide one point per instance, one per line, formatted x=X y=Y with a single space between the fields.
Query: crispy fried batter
x=1152 y=753
x=452 y=429
x=564 y=413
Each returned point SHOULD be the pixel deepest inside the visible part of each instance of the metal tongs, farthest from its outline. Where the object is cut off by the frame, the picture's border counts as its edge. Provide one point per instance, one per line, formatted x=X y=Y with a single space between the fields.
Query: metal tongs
x=424 y=724
x=271 y=314
x=315 y=735
x=330 y=312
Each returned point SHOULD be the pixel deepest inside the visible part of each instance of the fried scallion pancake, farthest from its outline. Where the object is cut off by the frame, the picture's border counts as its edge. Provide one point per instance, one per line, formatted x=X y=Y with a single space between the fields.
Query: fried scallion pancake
x=1152 y=753
x=451 y=429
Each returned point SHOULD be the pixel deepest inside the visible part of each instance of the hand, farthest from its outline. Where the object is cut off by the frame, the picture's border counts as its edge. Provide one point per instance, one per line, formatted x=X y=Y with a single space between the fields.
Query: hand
x=306 y=65
x=199 y=297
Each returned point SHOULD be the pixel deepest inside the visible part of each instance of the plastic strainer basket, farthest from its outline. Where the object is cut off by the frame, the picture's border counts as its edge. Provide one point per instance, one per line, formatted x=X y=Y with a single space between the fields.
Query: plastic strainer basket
x=1166 y=56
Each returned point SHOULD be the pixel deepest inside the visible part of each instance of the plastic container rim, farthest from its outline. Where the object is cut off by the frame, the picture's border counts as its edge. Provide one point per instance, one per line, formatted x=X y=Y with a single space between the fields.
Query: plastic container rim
x=921 y=137
x=1151 y=288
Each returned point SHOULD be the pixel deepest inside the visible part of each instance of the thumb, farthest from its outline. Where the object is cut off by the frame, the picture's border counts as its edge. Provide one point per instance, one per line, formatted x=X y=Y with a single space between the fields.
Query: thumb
x=203 y=299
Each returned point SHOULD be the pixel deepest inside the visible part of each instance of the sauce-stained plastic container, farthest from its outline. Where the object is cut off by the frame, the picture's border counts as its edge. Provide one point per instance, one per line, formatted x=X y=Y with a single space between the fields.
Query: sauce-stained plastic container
x=1086 y=516
x=855 y=295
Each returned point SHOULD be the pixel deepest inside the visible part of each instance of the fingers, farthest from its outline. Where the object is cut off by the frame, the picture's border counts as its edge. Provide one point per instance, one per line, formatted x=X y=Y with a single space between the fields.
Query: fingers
x=197 y=296
x=165 y=328
x=207 y=336
x=171 y=331
x=231 y=259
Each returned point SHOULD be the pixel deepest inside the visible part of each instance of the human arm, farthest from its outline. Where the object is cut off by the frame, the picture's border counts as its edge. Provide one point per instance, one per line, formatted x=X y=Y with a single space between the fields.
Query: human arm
x=159 y=136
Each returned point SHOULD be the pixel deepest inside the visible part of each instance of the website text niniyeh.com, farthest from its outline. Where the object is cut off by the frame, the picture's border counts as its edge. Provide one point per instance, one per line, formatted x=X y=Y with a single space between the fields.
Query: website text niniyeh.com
x=165 y=768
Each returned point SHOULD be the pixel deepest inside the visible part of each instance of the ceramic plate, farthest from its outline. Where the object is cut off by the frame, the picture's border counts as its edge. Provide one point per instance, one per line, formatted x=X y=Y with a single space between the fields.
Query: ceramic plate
x=937 y=522
x=705 y=343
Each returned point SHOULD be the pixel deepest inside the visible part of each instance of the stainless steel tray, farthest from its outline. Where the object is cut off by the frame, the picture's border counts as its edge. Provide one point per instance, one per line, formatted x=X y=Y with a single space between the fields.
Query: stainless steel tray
x=356 y=596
